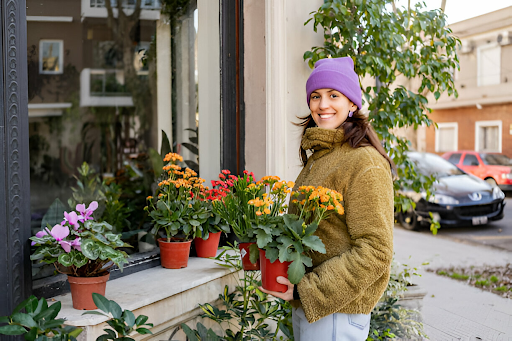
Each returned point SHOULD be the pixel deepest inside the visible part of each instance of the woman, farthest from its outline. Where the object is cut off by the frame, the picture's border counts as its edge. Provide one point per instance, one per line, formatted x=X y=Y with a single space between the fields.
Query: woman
x=334 y=299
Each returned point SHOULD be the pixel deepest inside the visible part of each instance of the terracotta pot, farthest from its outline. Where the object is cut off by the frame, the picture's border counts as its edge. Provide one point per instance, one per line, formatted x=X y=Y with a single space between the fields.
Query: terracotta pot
x=244 y=254
x=270 y=271
x=82 y=289
x=207 y=248
x=174 y=254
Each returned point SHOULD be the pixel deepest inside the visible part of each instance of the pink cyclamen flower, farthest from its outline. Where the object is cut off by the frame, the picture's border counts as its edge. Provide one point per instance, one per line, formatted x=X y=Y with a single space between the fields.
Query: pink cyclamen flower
x=39 y=235
x=72 y=218
x=66 y=245
x=85 y=213
x=60 y=232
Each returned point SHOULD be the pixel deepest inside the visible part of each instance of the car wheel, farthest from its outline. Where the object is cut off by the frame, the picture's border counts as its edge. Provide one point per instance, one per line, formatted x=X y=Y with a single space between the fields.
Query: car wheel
x=409 y=220
x=491 y=182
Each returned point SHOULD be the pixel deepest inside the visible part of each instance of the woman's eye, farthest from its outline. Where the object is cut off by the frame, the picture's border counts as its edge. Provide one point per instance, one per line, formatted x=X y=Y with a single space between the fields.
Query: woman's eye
x=334 y=95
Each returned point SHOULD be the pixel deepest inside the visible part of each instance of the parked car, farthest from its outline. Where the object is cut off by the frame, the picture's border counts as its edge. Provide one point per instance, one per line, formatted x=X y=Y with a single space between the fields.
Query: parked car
x=460 y=199
x=495 y=168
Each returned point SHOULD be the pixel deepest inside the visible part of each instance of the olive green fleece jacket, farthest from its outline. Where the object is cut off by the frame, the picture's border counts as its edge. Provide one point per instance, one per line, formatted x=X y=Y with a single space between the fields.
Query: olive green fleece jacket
x=353 y=273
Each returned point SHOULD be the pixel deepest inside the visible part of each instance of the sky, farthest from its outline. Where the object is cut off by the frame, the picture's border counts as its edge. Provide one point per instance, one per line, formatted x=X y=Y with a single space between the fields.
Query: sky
x=458 y=10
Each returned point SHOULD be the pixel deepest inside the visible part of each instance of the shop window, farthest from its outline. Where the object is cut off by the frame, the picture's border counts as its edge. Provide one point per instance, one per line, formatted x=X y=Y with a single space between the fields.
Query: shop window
x=51 y=58
x=488 y=136
x=489 y=65
x=446 y=137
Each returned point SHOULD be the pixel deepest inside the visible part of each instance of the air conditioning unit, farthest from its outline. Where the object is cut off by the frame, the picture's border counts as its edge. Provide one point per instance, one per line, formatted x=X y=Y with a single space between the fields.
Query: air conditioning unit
x=504 y=38
x=467 y=46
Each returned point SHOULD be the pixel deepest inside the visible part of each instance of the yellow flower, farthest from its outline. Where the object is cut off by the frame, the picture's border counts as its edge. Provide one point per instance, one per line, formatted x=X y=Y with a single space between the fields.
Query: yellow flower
x=266 y=210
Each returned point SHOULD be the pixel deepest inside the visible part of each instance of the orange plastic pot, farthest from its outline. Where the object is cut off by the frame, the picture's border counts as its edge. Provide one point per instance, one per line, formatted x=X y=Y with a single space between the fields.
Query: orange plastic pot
x=82 y=289
x=270 y=271
x=244 y=254
x=207 y=248
x=174 y=254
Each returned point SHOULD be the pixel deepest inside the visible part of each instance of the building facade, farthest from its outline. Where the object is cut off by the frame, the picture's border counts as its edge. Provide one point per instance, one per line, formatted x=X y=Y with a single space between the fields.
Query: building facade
x=480 y=118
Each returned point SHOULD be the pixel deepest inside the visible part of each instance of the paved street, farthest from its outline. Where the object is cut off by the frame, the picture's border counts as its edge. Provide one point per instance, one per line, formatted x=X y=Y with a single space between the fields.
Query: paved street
x=497 y=233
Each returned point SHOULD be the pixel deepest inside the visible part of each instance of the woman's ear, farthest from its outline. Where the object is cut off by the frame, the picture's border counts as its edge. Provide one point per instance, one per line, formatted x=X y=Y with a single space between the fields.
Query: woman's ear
x=353 y=107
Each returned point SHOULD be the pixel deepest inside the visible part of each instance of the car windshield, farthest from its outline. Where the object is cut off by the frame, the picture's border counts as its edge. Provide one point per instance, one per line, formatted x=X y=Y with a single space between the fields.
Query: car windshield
x=431 y=164
x=496 y=159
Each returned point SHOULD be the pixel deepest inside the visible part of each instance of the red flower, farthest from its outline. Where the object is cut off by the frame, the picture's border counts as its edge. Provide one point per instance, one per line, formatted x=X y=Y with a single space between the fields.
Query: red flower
x=221 y=176
x=225 y=171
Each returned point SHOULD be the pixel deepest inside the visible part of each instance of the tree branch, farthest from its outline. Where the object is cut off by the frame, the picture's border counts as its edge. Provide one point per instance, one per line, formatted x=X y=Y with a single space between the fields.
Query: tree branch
x=136 y=11
x=110 y=20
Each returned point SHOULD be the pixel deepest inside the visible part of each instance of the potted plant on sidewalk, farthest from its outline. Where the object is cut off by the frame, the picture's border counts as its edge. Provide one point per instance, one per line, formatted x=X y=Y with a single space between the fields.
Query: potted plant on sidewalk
x=84 y=250
x=179 y=210
x=285 y=245
x=239 y=215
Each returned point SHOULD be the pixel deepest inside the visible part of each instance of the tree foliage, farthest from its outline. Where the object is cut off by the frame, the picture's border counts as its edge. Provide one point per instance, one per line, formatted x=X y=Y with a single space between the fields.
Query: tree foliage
x=409 y=52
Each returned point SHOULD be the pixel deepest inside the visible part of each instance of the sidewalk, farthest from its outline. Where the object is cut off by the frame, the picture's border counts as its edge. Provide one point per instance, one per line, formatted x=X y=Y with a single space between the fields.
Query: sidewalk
x=453 y=310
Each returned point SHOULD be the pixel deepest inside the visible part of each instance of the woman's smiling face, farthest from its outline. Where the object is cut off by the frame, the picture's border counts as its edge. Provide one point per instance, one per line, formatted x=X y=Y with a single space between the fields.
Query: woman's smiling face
x=329 y=108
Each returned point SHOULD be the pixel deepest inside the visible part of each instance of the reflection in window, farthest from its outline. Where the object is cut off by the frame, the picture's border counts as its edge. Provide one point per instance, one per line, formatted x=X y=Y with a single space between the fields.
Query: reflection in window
x=51 y=56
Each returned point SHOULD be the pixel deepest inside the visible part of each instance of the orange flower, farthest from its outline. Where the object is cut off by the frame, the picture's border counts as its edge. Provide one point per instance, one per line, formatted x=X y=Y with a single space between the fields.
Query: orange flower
x=258 y=213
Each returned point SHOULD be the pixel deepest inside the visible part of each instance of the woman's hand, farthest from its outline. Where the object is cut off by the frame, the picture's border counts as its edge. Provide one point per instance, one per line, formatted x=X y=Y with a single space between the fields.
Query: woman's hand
x=288 y=295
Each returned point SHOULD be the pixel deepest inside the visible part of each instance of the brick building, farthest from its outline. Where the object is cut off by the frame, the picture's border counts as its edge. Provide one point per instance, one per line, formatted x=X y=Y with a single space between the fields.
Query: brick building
x=481 y=117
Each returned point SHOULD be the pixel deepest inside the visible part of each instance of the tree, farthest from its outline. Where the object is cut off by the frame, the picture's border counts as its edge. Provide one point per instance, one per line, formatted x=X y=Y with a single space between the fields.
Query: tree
x=387 y=43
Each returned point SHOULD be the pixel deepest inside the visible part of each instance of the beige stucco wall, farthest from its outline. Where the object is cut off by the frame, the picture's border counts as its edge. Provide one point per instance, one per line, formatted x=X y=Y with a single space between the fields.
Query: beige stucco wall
x=286 y=41
x=254 y=87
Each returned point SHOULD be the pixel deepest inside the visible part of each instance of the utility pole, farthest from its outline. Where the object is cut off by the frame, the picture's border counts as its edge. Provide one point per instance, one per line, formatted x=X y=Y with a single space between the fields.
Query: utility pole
x=443 y=5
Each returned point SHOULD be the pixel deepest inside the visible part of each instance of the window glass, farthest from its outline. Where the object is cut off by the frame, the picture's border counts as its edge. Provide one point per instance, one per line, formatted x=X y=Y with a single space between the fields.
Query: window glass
x=454 y=158
x=489 y=65
x=94 y=113
x=496 y=159
x=430 y=164
x=51 y=58
x=489 y=138
x=470 y=160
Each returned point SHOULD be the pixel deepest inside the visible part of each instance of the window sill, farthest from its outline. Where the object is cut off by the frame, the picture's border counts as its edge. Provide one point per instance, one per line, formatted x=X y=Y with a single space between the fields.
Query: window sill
x=168 y=297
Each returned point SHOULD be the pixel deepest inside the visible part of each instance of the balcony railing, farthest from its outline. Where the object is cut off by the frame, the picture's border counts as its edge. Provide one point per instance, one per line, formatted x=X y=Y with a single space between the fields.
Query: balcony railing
x=145 y=4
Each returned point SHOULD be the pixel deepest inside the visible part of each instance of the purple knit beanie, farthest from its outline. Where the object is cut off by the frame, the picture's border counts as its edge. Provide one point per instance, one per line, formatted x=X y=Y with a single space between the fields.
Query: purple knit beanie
x=337 y=74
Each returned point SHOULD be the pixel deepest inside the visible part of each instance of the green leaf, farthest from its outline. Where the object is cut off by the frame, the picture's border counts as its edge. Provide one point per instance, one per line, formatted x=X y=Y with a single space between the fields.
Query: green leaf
x=28 y=303
x=115 y=309
x=189 y=332
x=143 y=331
x=263 y=238
x=24 y=319
x=90 y=249
x=12 y=329
x=254 y=253
x=194 y=222
x=101 y=302
x=296 y=270
x=4 y=319
x=31 y=335
x=129 y=318
x=65 y=259
x=49 y=313
x=314 y=243
x=140 y=320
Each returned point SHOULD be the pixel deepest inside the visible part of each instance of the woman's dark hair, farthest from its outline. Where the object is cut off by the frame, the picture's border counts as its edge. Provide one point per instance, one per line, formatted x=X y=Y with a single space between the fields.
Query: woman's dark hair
x=358 y=133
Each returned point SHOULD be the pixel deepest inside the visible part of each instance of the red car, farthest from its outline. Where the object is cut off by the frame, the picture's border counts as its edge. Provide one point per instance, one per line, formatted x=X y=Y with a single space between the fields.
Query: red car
x=495 y=168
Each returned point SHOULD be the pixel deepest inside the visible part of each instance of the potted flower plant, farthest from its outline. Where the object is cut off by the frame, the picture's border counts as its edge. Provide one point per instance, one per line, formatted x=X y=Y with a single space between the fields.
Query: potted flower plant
x=240 y=216
x=84 y=250
x=207 y=236
x=285 y=245
x=179 y=210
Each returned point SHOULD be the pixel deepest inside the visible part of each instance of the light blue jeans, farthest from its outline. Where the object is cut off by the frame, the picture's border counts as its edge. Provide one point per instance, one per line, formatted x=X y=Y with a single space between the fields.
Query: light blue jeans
x=335 y=327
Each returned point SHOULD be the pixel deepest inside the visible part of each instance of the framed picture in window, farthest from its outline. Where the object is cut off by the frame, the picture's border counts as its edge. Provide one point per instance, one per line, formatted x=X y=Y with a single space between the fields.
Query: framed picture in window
x=51 y=56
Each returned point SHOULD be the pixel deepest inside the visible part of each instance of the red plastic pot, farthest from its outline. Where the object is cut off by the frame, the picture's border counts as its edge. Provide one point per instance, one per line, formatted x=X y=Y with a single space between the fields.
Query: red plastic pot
x=207 y=248
x=244 y=254
x=82 y=289
x=174 y=254
x=270 y=271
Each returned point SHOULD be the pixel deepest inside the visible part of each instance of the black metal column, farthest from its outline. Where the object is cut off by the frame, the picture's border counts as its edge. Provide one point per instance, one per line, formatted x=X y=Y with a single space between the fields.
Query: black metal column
x=232 y=78
x=15 y=270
